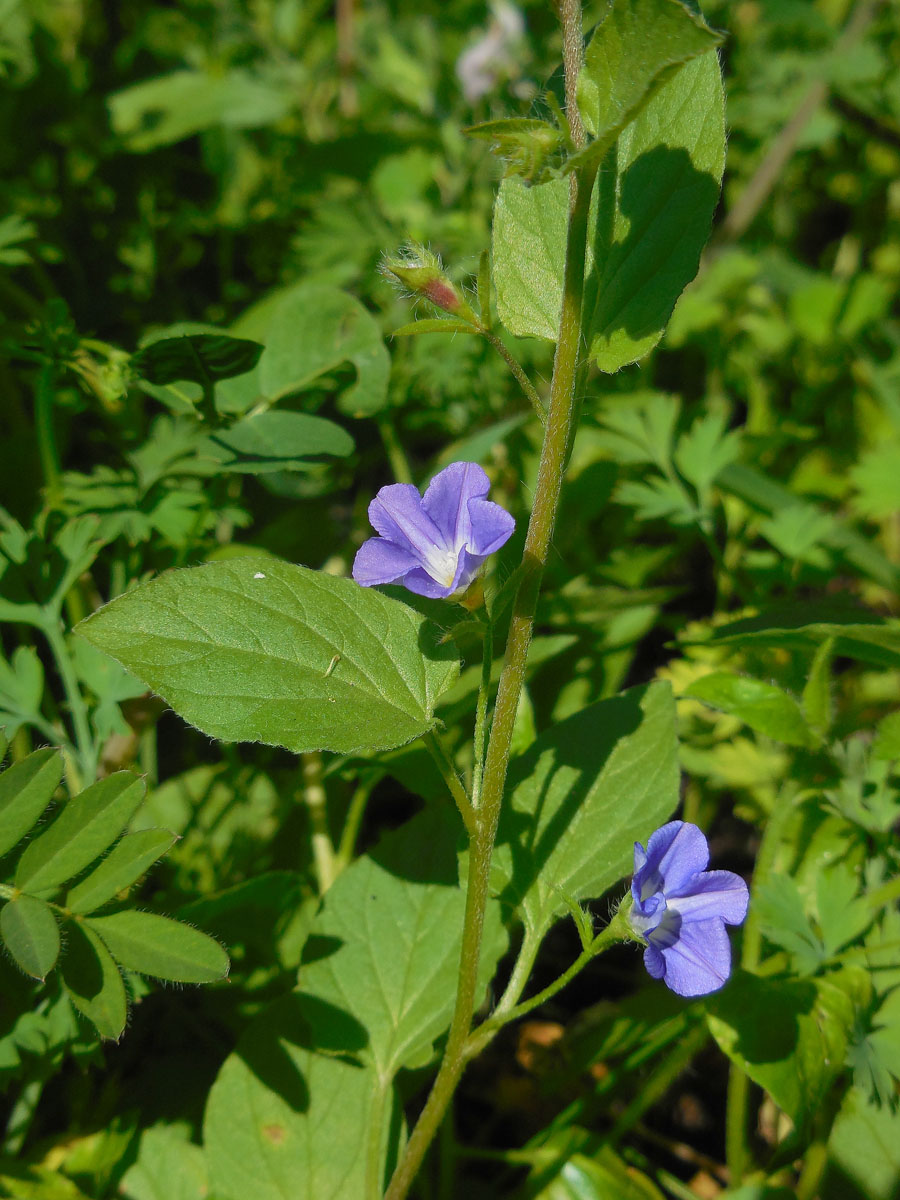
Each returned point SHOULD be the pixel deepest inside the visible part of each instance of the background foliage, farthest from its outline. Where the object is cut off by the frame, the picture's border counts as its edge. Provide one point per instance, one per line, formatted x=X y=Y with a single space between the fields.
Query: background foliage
x=729 y=530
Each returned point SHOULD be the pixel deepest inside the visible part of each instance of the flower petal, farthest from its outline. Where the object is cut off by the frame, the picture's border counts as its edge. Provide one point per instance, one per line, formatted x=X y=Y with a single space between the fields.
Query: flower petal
x=379 y=561
x=420 y=582
x=698 y=960
x=447 y=497
x=491 y=527
x=712 y=894
x=654 y=962
x=397 y=514
x=675 y=854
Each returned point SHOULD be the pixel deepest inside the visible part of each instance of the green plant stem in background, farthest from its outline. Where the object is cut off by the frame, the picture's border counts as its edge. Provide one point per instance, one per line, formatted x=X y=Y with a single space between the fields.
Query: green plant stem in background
x=355 y=813
x=315 y=800
x=537 y=547
x=393 y=447
x=84 y=743
x=444 y=764
x=44 y=430
x=521 y=378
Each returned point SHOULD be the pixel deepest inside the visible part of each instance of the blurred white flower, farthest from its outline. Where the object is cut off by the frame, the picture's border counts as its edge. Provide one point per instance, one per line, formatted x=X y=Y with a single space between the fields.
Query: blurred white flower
x=480 y=67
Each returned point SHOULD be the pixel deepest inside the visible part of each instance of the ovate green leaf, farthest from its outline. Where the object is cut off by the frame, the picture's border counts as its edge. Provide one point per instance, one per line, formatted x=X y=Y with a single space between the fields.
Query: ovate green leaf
x=86 y=826
x=654 y=214
x=31 y=934
x=261 y=650
x=159 y=946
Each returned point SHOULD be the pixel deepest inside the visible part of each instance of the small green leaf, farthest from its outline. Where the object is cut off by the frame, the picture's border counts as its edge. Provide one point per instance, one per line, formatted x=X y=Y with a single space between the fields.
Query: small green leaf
x=31 y=934
x=124 y=865
x=763 y=706
x=843 y=912
x=21 y=689
x=635 y=48
x=782 y=917
x=523 y=143
x=816 y=699
x=25 y=791
x=887 y=739
x=202 y=358
x=86 y=826
x=434 y=325
x=94 y=981
x=170 y=107
x=159 y=946
x=276 y=441
x=580 y=797
x=242 y=649
x=705 y=450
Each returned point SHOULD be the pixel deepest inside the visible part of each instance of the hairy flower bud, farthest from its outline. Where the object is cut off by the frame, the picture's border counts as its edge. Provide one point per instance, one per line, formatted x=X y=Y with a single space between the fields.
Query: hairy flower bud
x=422 y=274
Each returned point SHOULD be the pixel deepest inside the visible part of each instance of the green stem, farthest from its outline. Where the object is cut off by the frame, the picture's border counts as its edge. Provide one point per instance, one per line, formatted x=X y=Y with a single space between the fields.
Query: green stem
x=22 y=1115
x=664 y=1075
x=487 y=659
x=84 y=743
x=537 y=546
x=393 y=448
x=44 y=429
x=375 y=1139
x=444 y=764
x=521 y=378
x=350 y=832
x=316 y=802
x=616 y=931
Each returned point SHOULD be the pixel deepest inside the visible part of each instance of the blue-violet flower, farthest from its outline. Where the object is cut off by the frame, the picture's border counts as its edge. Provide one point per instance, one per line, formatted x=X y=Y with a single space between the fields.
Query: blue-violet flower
x=681 y=910
x=434 y=544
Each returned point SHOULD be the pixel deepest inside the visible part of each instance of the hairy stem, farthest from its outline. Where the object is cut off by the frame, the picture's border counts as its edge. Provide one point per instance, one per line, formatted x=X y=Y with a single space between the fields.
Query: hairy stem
x=487 y=658
x=444 y=764
x=522 y=379
x=537 y=547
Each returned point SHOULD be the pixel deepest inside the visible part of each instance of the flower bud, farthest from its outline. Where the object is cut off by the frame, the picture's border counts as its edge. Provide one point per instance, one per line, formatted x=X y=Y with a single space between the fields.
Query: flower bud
x=421 y=272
